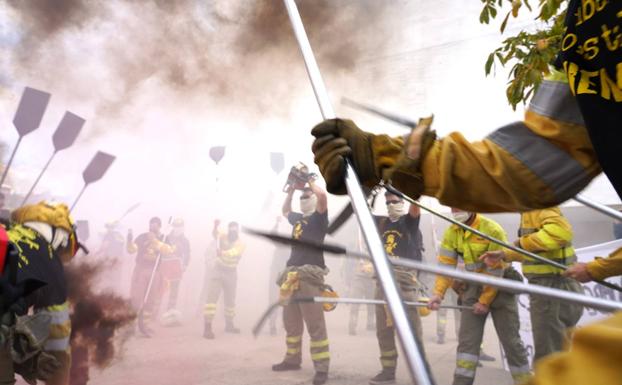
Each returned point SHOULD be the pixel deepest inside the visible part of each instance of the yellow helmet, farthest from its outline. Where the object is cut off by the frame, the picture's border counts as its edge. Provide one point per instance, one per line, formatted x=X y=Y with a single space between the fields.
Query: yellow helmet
x=55 y=215
x=328 y=292
x=423 y=310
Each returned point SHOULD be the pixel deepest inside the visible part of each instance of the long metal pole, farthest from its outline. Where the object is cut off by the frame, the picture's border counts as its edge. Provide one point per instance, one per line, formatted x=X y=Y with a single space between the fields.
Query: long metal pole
x=32 y=188
x=599 y=207
x=493 y=239
x=365 y=301
x=8 y=164
x=501 y=284
x=78 y=198
x=414 y=356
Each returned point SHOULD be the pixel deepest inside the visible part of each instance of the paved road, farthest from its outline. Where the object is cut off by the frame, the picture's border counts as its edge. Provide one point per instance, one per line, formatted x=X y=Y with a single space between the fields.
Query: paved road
x=182 y=356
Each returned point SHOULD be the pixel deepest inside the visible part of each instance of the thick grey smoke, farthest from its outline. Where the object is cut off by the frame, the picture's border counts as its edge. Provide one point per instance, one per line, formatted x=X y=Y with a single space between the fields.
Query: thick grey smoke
x=237 y=57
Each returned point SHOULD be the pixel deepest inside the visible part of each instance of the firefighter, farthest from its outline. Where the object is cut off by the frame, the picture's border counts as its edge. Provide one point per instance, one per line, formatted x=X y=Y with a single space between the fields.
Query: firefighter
x=44 y=238
x=223 y=277
x=402 y=239
x=548 y=234
x=148 y=247
x=173 y=267
x=112 y=242
x=484 y=299
x=570 y=131
x=304 y=277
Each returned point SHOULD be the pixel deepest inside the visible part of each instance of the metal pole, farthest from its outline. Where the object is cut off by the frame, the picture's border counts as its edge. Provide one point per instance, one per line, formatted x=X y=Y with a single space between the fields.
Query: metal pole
x=599 y=207
x=8 y=165
x=502 y=284
x=514 y=286
x=364 y=301
x=78 y=198
x=32 y=188
x=414 y=356
x=493 y=239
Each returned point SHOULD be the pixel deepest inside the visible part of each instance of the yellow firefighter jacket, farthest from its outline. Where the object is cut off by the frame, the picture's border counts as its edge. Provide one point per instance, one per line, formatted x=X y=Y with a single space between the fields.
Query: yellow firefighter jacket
x=601 y=268
x=230 y=251
x=594 y=357
x=546 y=233
x=460 y=243
x=536 y=163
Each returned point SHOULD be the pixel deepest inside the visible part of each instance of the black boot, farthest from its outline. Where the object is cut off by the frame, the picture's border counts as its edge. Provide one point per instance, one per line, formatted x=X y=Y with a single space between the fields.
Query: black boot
x=207 y=331
x=320 y=378
x=229 y=328
x=386 y=376
x=285 y=366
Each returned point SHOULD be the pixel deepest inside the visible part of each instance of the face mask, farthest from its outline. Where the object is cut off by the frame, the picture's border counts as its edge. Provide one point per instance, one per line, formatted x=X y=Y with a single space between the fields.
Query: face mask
x=461 y=216
x=307 y=206
x=395 y=210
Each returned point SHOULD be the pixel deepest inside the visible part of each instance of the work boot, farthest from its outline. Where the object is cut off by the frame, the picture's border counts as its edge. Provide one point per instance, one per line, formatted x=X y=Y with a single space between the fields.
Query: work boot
x=386 y=376
x=485 y=357
x=229 y=328
x=207 y=331
x=285 y=366
x=320 y=378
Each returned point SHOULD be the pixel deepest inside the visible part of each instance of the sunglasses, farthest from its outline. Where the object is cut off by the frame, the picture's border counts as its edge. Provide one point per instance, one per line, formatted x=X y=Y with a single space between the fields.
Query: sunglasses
x=393 y=202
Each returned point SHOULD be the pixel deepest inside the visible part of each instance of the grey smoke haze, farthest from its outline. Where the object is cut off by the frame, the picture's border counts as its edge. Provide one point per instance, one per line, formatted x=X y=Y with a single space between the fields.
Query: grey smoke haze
x=234 y=56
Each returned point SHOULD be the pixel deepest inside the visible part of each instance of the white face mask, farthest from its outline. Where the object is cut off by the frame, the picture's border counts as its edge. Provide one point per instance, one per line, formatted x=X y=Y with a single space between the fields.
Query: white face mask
x=307 y=206
x=461 y=216
x=395 y=210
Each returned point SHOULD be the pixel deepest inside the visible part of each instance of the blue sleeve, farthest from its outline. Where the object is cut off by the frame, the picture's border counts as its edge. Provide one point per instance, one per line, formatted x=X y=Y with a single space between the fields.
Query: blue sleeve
x=293 y=217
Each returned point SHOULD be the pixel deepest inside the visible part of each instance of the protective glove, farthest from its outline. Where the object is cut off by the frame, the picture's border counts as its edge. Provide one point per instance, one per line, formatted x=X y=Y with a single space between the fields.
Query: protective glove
x=336 y=139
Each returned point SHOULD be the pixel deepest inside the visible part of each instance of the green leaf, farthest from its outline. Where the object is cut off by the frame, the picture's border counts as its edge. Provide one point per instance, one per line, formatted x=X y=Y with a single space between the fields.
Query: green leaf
x=505 y=22
x=489 y=63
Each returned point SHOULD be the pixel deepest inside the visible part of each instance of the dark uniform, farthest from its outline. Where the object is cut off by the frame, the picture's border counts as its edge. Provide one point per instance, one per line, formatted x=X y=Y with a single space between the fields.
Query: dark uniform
x=305 y=271
x=401 y=239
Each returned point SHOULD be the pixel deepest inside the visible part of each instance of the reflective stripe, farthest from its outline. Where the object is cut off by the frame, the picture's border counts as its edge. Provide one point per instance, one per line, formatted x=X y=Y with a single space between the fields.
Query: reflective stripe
x=474 y=266
x=564 y=260
x=465 y=372
x=293 y=340
x=210 y=306
x=526 y=231
x=58 y=308
x=56 y=317
x=467 y=357
x=319 y=344
x=561 y=172
x=464 y=364
x=57 y=344
x=554 y=100
x=389 y=353
x=293 y=351
x=520 y=374
x=60 y=330
x=388 y=363
x=496 y=272
x=448 y=253
x=320 y=356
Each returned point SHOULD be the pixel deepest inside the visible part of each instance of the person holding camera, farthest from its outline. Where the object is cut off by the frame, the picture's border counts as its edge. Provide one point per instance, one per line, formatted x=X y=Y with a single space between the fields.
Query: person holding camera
x=304 y=277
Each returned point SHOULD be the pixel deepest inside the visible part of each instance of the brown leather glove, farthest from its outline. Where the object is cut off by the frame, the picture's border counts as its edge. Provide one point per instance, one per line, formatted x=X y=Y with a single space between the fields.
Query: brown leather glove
x=336 y=139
